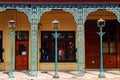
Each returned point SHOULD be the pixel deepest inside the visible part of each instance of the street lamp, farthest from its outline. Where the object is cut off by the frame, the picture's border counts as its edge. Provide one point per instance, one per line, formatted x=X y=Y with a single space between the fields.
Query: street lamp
x=101 y=24
x=55 y=25
x=11 y=25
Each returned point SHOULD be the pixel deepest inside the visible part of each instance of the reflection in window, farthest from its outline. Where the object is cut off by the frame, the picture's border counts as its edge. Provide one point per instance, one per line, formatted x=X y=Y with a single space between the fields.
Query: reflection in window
x=66 y=46
x=21 y=35
x=70 y=51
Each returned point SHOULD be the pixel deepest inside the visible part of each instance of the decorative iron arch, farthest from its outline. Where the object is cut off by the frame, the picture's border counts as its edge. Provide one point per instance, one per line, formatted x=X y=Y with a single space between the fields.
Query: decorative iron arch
x=79 y=12
x=115 y=11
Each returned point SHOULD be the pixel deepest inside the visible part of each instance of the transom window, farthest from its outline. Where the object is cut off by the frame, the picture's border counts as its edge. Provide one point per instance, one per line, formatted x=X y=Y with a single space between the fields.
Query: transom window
x=66 y=46
x=22 y=36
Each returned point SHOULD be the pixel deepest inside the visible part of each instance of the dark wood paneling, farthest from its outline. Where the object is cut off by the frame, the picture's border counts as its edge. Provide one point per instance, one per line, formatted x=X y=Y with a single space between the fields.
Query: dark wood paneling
x=118 y=45
x=21 y=60
x=91 y=45
x=22 y=50
x=92 y=49
x=109 y=61
x=92 y=61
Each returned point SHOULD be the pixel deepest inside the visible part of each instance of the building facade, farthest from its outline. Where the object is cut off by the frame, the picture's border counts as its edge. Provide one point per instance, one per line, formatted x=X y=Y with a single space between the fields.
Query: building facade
x=78 y=43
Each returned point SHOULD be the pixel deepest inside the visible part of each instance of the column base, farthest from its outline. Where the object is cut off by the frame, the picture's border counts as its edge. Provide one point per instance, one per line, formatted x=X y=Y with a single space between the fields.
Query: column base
x=56 y=76
x=33 y=74
x=101 y=75
x=11 y=76
x=80 y=73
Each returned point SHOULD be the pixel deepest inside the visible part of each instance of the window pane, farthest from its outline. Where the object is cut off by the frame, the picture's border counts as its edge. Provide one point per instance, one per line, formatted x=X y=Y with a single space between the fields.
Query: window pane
x=45 y=36
x=70 y=51
x=105 y=38
x=22 y=49
x=22 y=35
x=105 y=50
x=105 y=44
x=112 y=44
x=112 y=50
x=112 y=38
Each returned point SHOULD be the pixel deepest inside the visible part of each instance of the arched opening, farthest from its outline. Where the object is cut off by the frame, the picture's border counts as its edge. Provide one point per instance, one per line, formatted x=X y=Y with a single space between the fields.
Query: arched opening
x=21 y=56
x=67 y=31
x=110 y=40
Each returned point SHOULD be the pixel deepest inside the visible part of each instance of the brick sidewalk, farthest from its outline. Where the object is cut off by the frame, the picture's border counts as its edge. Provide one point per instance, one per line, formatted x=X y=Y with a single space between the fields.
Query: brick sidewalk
x=64 y=75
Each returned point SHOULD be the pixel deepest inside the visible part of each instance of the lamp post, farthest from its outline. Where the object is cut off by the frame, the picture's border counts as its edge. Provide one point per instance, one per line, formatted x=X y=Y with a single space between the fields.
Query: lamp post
x=55 y=25
x=101 y=24
x=11 y=25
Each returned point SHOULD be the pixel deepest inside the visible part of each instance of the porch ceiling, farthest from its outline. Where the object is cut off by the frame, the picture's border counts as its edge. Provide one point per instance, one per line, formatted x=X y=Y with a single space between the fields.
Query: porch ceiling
x=60 y=2
x=102 y=14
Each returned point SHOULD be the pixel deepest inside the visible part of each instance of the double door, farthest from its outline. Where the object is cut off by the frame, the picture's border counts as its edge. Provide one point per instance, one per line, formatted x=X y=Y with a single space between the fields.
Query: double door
x=110 y=45
x=21 y=51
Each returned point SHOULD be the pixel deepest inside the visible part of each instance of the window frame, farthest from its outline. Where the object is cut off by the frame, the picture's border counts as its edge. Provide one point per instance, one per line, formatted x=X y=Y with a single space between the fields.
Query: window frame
x=2 y=50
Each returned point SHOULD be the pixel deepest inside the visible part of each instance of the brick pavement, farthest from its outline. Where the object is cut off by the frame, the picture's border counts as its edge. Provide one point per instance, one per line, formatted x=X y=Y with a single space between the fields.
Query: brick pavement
x=64 y=75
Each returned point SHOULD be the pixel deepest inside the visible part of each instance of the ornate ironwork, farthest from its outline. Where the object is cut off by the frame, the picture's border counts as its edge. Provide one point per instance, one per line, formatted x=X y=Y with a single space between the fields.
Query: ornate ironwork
x=116 y=11
x=78 y=16
x=34 y=15
x=60 y=2
x=79 y=12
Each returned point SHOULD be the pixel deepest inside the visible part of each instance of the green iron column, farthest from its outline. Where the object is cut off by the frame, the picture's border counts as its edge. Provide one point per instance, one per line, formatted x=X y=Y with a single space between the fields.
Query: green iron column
x=34 y=20
x=12 y=34
x=101 y=24
x=101 y=75
x=34 y=14
x=11 y=25
x=55 y=25
x=79 y=19
x=56 y=55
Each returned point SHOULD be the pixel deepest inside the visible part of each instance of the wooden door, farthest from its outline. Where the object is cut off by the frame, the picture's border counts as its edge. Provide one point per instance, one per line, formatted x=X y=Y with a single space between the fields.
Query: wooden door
x=92 y=49
x=21 y=56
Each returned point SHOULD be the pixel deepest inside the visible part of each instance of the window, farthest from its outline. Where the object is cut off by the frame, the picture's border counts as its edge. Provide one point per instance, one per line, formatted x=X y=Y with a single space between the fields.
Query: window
x=109 y=38
x=22 y=35
x=66 y=46
x=22 y=49
x=1 y=48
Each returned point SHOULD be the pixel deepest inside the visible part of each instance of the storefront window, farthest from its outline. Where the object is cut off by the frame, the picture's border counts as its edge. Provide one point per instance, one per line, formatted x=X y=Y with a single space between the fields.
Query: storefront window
x=66 y=46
